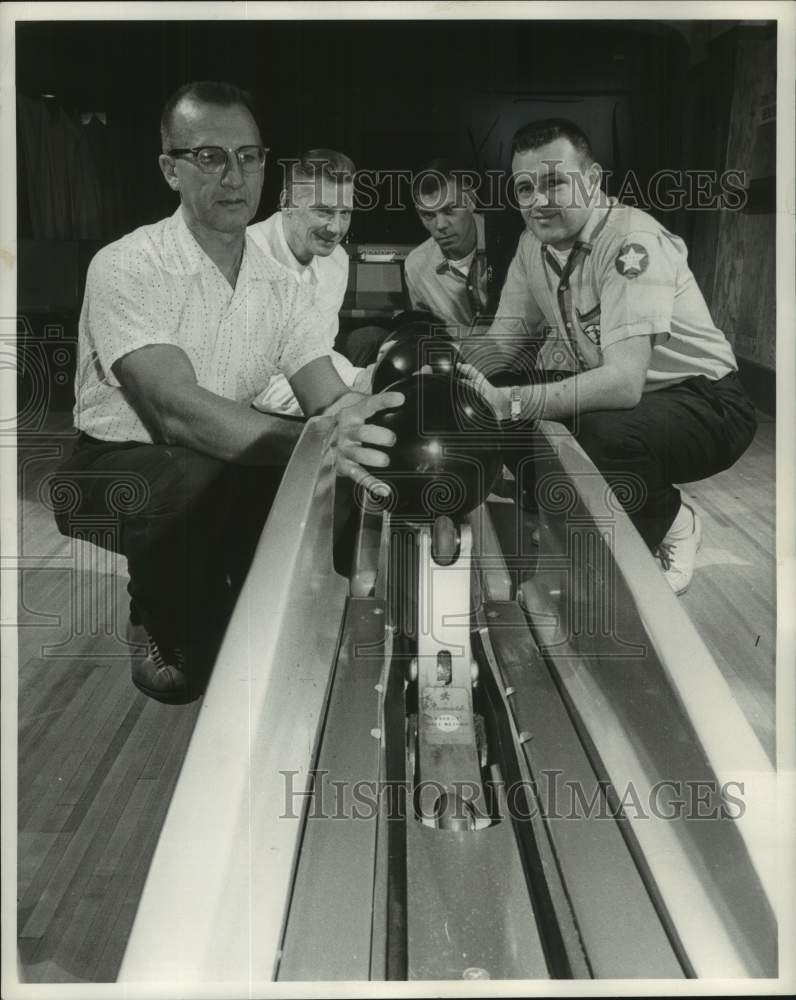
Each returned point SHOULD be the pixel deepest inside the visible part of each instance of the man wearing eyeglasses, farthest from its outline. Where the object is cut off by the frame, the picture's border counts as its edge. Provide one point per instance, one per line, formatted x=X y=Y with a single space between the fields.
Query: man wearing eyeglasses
x=184 y=323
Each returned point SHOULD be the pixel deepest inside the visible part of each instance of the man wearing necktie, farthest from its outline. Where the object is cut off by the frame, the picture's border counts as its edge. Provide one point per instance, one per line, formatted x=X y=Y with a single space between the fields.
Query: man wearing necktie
x=605 y=292
x=450 y=275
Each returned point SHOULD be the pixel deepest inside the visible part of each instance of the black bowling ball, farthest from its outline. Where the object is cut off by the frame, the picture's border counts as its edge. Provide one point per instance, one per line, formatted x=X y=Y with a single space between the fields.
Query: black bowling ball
x=411 y=348
x=417 y=329
x=447 y=452
x=411 y=316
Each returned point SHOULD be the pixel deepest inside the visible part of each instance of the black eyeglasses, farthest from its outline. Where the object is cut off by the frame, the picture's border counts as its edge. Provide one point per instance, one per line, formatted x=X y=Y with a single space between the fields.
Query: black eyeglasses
x=214 y=159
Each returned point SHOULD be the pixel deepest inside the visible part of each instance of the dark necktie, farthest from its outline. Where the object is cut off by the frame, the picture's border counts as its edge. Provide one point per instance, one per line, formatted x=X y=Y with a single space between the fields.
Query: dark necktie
x=478 y=275
x=445 y=268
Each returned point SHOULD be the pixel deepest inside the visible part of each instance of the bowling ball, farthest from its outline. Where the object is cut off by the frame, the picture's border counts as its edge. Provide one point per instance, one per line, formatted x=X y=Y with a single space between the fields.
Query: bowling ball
x=447 y=454
x=411 y=316
x=409 y=349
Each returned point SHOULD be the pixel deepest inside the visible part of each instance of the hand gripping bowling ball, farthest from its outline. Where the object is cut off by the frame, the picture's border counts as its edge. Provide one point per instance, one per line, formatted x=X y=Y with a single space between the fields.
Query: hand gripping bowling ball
x=411 y=348
x=447 y=455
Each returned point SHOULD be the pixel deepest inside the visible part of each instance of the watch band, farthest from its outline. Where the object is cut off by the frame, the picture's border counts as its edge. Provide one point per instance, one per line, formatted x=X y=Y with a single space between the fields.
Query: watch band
x=516 y=404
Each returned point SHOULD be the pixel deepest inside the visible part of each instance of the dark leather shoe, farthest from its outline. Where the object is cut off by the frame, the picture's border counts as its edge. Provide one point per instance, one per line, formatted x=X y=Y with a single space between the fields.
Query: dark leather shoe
x=160 y=676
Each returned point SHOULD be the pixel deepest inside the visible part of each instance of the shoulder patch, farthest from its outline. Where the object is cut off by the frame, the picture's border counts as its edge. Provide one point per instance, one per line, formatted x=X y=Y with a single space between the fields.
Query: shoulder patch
x=632 y=260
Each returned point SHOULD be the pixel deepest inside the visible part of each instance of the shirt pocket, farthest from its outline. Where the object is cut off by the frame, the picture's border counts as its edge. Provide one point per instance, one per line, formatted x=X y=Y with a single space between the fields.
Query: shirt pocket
x=589 y=323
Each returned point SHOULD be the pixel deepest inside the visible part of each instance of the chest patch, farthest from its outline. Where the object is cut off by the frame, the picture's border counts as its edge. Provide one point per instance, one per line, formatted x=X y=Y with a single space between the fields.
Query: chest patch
x=589 y=323
x=632 y=260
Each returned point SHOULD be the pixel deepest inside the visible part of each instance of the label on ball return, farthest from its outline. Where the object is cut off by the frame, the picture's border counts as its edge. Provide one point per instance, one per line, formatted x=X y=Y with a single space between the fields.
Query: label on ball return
x=446 y=715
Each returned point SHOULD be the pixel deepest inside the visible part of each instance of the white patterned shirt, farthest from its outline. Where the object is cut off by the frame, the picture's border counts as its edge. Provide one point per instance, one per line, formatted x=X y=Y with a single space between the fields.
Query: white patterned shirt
x=157 y=286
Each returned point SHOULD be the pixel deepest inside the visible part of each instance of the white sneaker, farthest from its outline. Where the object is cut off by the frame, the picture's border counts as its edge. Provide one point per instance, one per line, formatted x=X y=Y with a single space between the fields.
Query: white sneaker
x=677 y=552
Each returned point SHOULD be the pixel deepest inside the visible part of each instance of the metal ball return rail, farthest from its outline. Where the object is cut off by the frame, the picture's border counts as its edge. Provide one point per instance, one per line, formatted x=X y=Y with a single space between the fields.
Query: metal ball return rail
x=433 y=751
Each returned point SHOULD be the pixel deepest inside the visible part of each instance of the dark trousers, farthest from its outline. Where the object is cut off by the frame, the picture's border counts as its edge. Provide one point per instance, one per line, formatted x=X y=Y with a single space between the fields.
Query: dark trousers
x=187 y=523
x=679 y=434
x=361 y=346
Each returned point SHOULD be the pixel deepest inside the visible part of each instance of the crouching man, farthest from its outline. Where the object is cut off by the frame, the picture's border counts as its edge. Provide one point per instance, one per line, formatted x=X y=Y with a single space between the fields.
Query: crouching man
x=654 y=391
x=184 y=323
x=305 y=238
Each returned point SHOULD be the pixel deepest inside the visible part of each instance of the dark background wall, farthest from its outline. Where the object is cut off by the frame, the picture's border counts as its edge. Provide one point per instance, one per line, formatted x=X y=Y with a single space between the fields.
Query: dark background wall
x=652 y=95
x=390 y=94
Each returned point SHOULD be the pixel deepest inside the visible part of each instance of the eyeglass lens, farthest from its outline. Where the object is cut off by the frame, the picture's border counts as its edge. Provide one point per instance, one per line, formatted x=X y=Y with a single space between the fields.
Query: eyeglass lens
x=212 y=159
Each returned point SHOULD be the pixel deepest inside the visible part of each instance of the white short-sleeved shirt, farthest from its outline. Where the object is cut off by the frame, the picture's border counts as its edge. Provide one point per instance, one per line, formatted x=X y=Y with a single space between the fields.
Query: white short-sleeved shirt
x=157 y=286
x=437 y=288
x=326 y=280
x=631 y=278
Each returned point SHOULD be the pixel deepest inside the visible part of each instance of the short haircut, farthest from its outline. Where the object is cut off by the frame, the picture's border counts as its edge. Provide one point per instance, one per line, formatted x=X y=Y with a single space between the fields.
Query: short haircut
x=315 y=164
x=223 y=95
x=433 y=177
x=540 y=133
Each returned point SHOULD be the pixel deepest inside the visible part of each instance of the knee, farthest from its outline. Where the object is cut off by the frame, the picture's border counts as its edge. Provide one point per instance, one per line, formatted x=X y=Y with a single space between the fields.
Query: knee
x=87 y=498
x=180 y=478
x=89 y=494
x=63 y=493
x=609 y=437
x=746 y=430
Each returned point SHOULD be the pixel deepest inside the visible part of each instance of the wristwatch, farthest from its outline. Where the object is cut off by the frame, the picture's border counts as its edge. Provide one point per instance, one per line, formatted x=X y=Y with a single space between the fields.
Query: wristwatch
x=516 y=404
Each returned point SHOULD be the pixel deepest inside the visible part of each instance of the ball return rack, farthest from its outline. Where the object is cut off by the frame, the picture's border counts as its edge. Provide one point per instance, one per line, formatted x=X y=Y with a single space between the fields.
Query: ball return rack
x=437 y=752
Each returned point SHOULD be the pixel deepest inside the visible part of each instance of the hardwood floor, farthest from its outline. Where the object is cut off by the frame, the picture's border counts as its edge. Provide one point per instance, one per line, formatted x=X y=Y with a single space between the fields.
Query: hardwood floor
x=98 y=761
x=732 y=600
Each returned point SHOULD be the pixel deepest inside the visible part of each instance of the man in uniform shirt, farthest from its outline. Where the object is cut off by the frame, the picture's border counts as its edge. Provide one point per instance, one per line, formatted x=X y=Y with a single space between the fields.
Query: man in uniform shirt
x=304 y=237
x=184 y=323
x=655 y=390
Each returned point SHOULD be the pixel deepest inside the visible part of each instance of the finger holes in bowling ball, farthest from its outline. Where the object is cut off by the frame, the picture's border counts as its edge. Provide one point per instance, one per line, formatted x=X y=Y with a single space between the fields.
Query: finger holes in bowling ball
x=447 y=452
x=444 y=541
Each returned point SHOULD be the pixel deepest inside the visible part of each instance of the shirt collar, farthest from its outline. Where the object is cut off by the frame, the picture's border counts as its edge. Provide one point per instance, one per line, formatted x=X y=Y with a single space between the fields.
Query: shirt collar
x=438 y=257
x=597 y=219
x=592 y=228
x=184 y=256
x=285 y=256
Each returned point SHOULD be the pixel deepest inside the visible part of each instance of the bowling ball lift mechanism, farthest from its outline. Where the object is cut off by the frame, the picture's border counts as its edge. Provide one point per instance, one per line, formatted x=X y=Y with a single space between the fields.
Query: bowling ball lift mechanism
x=422 y=837
x=463 y=883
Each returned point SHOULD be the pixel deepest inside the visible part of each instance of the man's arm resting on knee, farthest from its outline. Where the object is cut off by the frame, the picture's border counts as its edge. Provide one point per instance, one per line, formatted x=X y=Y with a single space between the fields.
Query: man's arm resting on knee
x=616 y=385
x=160 y=383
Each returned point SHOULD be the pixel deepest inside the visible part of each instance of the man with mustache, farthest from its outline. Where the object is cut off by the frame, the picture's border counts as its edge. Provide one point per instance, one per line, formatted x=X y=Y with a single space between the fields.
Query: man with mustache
x=654 y=391
x=184 y=323
x=304 y=237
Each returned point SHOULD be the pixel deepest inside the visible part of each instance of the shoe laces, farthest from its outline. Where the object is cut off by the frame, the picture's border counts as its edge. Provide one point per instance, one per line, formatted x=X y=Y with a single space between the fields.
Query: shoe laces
x=177 y=658
x=667 y=553
x=667 y=550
